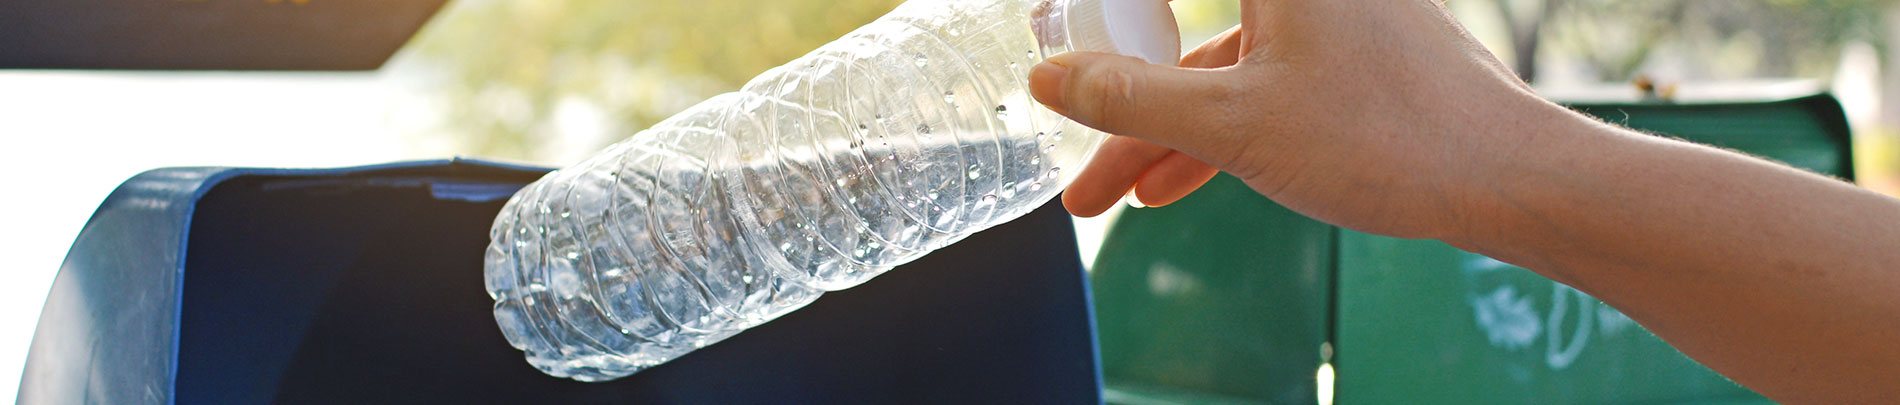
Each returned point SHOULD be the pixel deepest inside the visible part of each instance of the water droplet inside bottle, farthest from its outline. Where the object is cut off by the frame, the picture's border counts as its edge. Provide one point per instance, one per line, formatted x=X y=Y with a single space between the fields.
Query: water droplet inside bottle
x=989 y=198
x=1037 y=186
x=922 y=60
x=1002 y=112
x=975 y=174
x=864 y=127
x=923 y=129
x=1055 y=171
x=954 y=31
x=1031 y=53
x=950 y=97
x=1049 y=149
x=1057 y=137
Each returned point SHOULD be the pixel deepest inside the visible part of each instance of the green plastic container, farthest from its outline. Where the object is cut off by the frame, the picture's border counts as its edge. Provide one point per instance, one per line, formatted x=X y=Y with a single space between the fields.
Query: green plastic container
x=1226 y=297
x=1221 y=297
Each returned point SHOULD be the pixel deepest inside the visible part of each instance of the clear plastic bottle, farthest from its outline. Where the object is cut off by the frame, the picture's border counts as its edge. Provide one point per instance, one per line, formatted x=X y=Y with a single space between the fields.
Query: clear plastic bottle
x=902 y=137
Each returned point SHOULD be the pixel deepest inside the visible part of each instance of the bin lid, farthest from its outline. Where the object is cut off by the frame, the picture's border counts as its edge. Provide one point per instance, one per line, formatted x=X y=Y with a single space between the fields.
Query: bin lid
x=208 y=35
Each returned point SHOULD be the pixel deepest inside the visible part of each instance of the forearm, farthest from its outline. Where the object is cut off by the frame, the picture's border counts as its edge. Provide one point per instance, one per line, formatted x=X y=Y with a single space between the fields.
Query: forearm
x=1781 y=279
x=1776 y=278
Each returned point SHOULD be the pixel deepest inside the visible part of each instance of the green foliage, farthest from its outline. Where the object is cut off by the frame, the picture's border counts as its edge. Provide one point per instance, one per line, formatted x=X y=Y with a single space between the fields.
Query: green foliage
x=1615 y=36
x=1716 y=39
x=1203 y=19
x=508 y=65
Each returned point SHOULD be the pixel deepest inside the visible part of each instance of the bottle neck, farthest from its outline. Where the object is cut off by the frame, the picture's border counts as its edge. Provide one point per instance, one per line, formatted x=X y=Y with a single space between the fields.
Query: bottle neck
x=1051 y=24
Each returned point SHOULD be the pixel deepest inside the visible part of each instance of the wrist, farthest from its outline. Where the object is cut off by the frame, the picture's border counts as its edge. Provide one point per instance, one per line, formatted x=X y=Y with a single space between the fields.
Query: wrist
x=1518 y=183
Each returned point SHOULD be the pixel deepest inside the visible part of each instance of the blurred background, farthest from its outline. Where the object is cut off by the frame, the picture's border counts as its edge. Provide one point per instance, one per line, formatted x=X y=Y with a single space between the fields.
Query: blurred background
x=550 y=81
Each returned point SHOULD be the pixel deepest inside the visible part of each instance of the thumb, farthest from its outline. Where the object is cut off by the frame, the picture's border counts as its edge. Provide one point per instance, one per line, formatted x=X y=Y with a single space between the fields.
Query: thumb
x=1130 y=97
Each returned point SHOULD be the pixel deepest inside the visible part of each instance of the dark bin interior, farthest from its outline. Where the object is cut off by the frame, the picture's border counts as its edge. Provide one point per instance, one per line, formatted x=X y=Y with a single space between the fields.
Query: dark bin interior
x=367 y=288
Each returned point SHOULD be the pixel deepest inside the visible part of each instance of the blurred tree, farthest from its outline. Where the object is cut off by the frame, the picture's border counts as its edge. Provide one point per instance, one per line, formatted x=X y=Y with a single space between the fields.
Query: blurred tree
x=512 y=70
x=1718 y=39
x=1615 y=37
x=521 y=79
x=1798 y=37
x=1524 y=21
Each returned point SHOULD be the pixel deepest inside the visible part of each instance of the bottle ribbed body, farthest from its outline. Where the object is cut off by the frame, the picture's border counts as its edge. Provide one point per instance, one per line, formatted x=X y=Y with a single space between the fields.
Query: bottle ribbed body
x=900 y=138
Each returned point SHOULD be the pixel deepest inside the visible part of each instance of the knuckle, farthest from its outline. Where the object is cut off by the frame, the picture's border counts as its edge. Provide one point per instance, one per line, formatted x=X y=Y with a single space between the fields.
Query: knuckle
x=1105 y=92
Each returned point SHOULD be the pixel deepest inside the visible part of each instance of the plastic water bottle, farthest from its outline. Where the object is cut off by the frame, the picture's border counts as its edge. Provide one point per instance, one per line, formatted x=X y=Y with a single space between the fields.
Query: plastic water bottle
x=902 y=137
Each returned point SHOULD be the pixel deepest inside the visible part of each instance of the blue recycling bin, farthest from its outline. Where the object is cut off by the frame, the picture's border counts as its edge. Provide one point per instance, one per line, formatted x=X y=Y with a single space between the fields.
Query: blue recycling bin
x=364 y=285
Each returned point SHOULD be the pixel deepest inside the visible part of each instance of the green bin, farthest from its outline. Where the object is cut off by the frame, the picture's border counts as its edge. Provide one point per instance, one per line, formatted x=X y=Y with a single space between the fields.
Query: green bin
x=1222 y=297
x=1226 y=297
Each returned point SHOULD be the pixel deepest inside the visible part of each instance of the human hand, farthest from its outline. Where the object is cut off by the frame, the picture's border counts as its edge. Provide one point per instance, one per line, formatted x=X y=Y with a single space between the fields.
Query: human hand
x=1380 y=116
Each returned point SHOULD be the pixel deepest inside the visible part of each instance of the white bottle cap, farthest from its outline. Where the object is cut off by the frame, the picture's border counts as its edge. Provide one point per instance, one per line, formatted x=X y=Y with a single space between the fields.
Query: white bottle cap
x=1140 y=28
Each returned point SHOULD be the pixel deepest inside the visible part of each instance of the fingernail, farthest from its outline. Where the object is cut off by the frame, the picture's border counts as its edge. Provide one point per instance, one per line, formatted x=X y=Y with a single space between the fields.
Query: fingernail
x=1046 y=81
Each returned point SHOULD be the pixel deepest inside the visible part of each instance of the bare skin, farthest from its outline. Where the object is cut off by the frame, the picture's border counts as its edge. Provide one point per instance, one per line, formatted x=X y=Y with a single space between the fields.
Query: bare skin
x=1387 y=117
